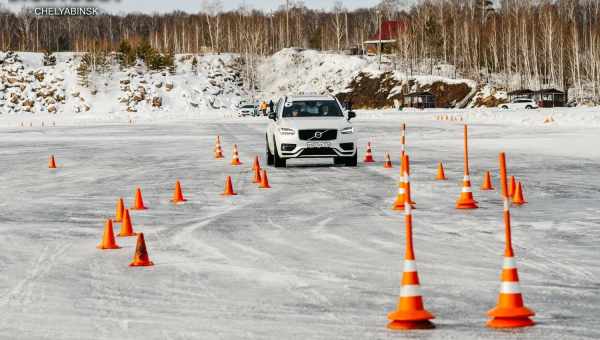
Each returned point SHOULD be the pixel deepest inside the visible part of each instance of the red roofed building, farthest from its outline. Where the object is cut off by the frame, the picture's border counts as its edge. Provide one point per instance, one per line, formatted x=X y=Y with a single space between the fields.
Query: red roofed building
x=387 y=36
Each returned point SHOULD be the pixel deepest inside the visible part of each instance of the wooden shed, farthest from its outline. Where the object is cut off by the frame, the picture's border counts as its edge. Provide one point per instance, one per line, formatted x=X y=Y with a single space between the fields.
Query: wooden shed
x=550 y=98
x=419 y=100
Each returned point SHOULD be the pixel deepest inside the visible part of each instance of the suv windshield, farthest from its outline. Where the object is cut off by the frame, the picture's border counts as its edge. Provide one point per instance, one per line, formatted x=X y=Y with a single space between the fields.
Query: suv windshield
x=312 y=108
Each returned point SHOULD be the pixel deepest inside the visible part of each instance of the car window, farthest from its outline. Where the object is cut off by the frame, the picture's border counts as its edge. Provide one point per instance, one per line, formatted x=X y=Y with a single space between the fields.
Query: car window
x=248 y=106
x=312 y=108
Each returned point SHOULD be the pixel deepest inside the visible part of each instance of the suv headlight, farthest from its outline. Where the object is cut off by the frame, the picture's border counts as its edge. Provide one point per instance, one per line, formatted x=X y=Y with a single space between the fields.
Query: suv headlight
x=287 y=131
x=348 y=130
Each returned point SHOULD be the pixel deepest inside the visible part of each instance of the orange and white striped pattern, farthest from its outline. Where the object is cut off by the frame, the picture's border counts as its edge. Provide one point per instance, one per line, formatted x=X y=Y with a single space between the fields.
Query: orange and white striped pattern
x=401 y=197
x=466 y=201
x=236 y=157
x=218 y=150
x=388 y=162
x=368 y=154
x=410 y=312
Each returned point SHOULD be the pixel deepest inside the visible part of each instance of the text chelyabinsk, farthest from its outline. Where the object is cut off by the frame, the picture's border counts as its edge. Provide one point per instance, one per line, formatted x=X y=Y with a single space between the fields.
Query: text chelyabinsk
x=65 y=11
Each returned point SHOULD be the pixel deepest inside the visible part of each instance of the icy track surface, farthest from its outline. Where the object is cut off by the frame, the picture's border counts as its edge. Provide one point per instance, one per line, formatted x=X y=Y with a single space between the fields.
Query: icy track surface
x=318 y=256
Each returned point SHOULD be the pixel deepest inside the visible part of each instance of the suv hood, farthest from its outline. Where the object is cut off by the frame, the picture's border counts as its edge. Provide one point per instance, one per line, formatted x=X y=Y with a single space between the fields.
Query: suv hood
x=302 y=123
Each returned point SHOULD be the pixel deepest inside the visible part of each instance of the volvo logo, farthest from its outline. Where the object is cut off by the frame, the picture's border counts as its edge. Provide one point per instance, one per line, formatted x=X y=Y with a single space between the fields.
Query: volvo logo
x=318 y=134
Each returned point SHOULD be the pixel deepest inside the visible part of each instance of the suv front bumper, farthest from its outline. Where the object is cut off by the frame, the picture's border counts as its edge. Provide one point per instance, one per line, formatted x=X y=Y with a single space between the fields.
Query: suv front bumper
x=300 y=150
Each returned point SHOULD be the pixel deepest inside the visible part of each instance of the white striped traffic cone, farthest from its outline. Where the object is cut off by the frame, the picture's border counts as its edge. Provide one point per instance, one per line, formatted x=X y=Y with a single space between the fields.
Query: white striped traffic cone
x=466 y=200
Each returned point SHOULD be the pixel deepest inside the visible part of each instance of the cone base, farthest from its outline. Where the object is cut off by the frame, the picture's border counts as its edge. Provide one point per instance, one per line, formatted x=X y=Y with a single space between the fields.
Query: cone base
x=441 y=179
x=466 y=205
x=101 y=247
x=519 y=203
x=368 y=160
x=510 y=322
x=387 y=166
x=142 y=208
x=228 y=193
x=177 y=201
x=126 y=235
x=405 y=325
x=264 y=186
x=236 y=163
x=141 y=264
x=401 y=207
x=490 y=188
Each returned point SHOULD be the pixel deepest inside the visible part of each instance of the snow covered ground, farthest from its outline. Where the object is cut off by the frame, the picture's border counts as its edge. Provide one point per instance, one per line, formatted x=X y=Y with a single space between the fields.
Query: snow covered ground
x=318 y=256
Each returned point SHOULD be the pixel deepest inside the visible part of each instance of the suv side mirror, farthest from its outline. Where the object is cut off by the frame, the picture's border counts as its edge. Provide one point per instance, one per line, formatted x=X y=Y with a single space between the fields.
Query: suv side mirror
x=351 y=114
x=272 y=115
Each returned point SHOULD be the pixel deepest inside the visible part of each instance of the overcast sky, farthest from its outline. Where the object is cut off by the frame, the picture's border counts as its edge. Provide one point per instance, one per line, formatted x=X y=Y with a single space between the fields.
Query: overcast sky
x=192 y=6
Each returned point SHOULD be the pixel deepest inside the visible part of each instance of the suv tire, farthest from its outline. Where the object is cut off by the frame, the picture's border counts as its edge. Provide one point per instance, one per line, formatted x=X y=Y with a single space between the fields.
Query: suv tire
x=278 y=161
x=270 y=157
x=528 y=107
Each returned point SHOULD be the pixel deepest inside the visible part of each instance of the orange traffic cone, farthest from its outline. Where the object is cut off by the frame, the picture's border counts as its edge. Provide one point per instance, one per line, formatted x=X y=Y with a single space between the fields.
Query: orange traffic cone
x=139 y=201
x=511 y=186
x=487 y=182
x=236 y=157
x=402 y=141
x=51 y=162
x=368 y=155
x=518 y=198
x=228 y=188
x=177 y=194
x=256 y=164
x=108 y=238
x=218 y=150
x=141 y=259
x=119 y=211
x=466 y=201
x=441 y=176
x=256 y=178
x=402 y=192
x=126 y=226
x=264 y=180
x=510 y=311
x=388 y=162
x=410 y=312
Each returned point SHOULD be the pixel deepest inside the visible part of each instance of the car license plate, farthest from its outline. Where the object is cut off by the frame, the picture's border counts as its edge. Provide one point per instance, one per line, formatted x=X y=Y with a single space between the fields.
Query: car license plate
x=318 y=144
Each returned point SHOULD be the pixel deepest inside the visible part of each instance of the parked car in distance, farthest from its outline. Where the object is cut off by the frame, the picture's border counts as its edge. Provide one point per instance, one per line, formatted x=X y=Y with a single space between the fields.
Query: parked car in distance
x=247 y=110
x=520 y=103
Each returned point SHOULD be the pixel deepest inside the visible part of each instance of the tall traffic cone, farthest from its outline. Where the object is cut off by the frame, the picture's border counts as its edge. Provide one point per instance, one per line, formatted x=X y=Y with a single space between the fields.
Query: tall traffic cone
x=264 y=180
x=51 y=162
x=228 y=188
x=256 y=164
x=368 y=155
x=177 y=194
x=403 y=195
x=119 y=211
x=403 y=141
x=388 y=162
x=139 y=201
x=126 y=226
x=236 y=157
x=487 y=181
x=108 y=238
x=141 y=258
x=410 y=312
x=512 y=186
x=466 y=201
x=518 y=198
x=510 y=311
x=441 y=176
x=256 y=178
x=218 y=150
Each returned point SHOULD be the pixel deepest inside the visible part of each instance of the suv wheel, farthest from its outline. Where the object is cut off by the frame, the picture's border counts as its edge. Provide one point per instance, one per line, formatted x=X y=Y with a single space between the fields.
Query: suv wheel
x=528 y=107
x=505 y=107
x=279 y=162
x=270 y=158
x=352 y=160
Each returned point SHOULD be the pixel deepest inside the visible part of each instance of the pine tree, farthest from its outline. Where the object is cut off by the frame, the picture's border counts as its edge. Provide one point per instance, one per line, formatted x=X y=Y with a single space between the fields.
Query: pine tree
x=84 y=69
x=126 y=54
x=49 y=58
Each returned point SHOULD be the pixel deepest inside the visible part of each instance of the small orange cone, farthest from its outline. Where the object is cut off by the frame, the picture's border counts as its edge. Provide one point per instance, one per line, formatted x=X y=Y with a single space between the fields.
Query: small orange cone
x=487 y=181
x=218 y=150
x=236 y=157
x=441 y=176
x=410 y=312
x=228 y=188
x=141 y=259
x=51 y=162
x=264 y=180
x=368 y=155
x=177 y=194
x=466 y=201
x=518 y=198
x=119 y=211
x=256 y=178
x=402 y=192
x=511 y=186
x=256 y=164
x=510 y=311
x=108 y=238
x=388 y=162
x=139 y=201
x=126 y=227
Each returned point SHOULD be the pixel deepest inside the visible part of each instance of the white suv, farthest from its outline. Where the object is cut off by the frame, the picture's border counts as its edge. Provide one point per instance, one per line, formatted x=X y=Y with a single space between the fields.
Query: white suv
x=310 y=127
x=520 y=103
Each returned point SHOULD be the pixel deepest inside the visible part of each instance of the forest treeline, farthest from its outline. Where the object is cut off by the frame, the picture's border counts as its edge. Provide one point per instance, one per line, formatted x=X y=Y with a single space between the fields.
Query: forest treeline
x=544 y=43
